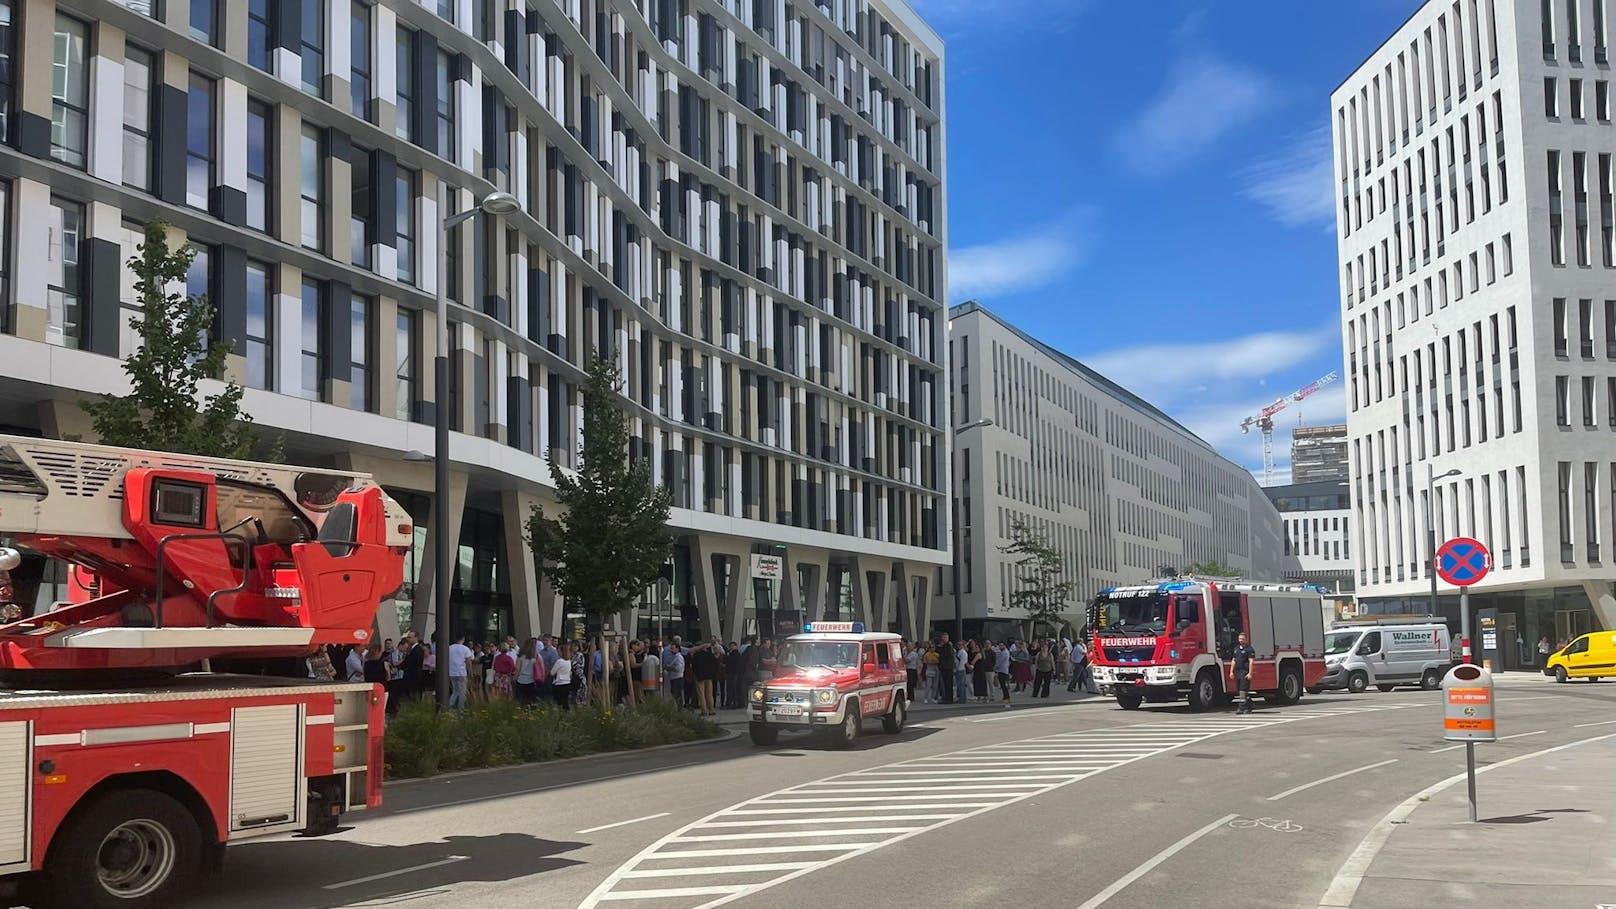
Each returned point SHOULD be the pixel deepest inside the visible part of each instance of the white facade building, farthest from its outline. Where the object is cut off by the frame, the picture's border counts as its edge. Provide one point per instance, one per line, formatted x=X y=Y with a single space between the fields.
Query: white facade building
x=1473 y=152
x=1117 y=486
x=1317 y=522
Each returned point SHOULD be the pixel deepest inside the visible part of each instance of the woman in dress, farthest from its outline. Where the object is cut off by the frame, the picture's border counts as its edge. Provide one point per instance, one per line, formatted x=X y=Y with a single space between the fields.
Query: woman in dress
x=979 y=665
x=504 y=674
x=527 y=690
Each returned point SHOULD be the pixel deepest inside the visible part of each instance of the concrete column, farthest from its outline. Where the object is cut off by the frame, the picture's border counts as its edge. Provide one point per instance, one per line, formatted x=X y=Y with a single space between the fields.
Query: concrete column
x=384 y=68
x=288 y=199
x=526 y=620
x=814 y=609
x=105 y=157
x=386 y=315
x=35 y=253
x=1603 y=600
x=425 y=615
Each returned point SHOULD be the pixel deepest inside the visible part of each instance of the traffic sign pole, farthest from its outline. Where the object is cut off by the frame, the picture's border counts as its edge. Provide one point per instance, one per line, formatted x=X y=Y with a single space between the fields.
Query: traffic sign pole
x=1464 y=640
x=1461 y=562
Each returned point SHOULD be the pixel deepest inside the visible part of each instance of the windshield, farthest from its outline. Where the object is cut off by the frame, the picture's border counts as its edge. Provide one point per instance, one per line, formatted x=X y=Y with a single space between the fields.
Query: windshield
x=1138 y=615
x=820 y=654
x=1339 y=642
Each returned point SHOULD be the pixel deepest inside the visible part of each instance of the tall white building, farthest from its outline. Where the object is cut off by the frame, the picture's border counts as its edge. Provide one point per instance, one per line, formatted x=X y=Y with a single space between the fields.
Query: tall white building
x=1118 y=487
x=1317 y=520
x=1473 y=151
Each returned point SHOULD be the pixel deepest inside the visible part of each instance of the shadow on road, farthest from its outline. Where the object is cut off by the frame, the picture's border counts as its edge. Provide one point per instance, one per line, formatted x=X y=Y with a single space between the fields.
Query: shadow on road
x=793 y=743
x=331 y=873
x=1532 y=817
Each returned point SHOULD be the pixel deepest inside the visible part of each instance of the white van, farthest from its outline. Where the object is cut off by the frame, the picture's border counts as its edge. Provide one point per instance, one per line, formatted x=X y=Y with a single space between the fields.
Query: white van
x=1386 y=655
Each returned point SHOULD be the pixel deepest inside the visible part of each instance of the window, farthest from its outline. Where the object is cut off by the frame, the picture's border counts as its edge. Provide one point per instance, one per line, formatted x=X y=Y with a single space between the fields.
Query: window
x=405 y=76
x=259 y=42
x=406 y=225
x=1585 y=329
x=360 y=52
x=1551 y=97
x=312 y=381
x=205 y=21
x=199 y=143
x=8 y=76
x=1556 y=215
x=1602 y=100
x=1560 y=342
x=1565 y=510
x=1576 y=99
x=137 y=69
x=359 y=379
x=259 y=171
x=362 y=232
x=199 y=278
x=70 y=100
x=260 y=328
x=404 y=364
x=446 y=10
x=446 y=108
x=1610 y=401
x=5 y=244
x=1588 y=402
x=313 y=47
x=312 y=158
x=63 y=312
x=1562 y=401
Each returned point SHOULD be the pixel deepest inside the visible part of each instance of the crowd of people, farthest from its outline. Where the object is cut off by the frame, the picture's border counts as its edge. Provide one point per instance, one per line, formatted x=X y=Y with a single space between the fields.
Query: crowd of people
x=703 y=675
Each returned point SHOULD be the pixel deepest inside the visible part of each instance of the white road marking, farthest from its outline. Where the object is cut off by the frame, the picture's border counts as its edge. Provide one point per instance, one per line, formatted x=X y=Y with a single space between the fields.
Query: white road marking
x=1521 y=735
x=636 y=820
x=1600 y=723
x=1448 y=748
x=674 y=891
x=788 y=819
x=1329 y=779
x=387 y=874
x=1344 y=887
x=720 y=869
x=1162 y=856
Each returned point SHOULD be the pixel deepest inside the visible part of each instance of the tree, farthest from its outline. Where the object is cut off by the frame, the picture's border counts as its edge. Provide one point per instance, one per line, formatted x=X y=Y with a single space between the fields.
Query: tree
x=612 y=539
x=164 y=409
x=1213 y=568
x=1166 y=571
x=1041 y=589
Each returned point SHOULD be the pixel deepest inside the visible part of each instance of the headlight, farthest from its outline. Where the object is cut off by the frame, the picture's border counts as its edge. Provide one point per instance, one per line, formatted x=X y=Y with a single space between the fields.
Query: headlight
x=757 y=695
x=824 y=696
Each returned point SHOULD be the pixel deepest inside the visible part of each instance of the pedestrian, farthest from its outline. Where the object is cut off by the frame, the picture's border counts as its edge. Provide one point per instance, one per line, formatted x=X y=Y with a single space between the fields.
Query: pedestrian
x=1078 y=660
x=1020 y=665
x=504 y=673
x=1543 y=650
x=704 y=666
x=561 y=678
x=455 y=660
x=734 y=677
x=673 y=666
x=928 y=674
x=1243 y=655
x=962 y=674
x=1001 y=669
x=373 y=666
x=945 y=669
x=911 y=668
x=1044 y=667
x=524 y=683
x=980 y=668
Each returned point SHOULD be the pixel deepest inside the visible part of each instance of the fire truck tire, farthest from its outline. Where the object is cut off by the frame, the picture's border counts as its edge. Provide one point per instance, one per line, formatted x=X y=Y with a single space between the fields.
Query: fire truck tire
x=1290 y=684
x=763 y=734
x=846 y=734
x=1357 y=682
x=1128 y=700
x=1204 y=693
x=129 y=849
x=893 y=722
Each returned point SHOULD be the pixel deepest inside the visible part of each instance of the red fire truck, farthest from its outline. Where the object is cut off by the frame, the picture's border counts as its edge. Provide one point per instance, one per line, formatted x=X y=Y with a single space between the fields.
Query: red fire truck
x=1158 y=641
x=129 y=757
x=830 y=677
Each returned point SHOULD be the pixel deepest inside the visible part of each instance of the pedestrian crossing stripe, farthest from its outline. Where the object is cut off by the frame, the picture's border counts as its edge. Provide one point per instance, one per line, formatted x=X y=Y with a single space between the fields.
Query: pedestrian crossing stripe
x=864 y=810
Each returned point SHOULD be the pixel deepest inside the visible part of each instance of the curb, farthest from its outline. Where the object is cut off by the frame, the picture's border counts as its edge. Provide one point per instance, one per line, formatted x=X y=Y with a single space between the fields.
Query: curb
x=724 y=735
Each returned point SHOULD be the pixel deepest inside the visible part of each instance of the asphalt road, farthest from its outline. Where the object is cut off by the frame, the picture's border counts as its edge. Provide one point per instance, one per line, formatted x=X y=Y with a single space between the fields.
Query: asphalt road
x=1079 y=806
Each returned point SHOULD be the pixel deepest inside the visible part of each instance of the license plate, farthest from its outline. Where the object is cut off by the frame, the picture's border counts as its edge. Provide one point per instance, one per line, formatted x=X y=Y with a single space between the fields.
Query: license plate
x=786 y=710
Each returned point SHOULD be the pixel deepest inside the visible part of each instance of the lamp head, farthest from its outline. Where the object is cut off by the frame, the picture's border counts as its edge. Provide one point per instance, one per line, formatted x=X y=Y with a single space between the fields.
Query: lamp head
x=499 y=203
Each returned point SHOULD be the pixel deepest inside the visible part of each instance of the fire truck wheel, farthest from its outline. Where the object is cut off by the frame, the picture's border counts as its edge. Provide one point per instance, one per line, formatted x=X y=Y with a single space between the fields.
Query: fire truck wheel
x=893 y=722
x=1204 y=694
x=1357 y=682
x=1290 y=684
x=131 y=849
x=763 y=734
x=1128 y=700
x=847 y=733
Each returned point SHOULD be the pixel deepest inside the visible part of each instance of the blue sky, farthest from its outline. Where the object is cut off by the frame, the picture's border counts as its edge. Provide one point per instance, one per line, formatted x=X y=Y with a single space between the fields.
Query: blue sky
x=1146 y=185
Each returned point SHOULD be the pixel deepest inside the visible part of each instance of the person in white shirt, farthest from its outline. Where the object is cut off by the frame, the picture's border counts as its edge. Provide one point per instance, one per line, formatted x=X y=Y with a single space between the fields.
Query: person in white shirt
x=355 y=665
x=458 y=655
x=561 y=677
x=962 y=678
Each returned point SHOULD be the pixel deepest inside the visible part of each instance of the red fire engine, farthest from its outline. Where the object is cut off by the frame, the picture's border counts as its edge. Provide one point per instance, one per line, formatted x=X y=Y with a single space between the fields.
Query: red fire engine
x=130 y=760
x=1154 y=642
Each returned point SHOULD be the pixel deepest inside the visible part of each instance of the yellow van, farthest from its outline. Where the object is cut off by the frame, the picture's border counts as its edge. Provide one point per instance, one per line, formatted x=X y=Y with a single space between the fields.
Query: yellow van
x=1591 y=656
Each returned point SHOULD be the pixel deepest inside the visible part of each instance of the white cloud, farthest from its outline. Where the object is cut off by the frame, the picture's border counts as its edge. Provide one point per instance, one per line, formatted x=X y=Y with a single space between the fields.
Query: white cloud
x=1024 y=262
x=1296 y=185
x=1203 y=99
x=1162 y=372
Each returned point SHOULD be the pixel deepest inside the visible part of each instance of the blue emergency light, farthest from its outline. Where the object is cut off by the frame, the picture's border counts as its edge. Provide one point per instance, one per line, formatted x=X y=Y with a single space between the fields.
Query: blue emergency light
x=833 y=627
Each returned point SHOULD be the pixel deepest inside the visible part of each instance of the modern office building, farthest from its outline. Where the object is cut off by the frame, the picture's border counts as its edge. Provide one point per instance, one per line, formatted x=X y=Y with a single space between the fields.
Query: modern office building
x=1118 y=487
x=1317 y=521
x=741 y=202
x=1319 y=453
x=1474 y=155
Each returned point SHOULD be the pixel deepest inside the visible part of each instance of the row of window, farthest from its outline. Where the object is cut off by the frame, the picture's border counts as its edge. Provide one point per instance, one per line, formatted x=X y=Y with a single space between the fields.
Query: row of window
x=1563 y=21
x=1581 y=237
x=1575 y=107
x=1391 y=505
x=1305 y=537
x=1581 y=505
x=1564 y=406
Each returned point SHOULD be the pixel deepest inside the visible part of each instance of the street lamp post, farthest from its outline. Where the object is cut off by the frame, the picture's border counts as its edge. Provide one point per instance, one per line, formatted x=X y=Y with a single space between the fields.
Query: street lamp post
x=496 y=203
x=959 y=612
x=1430 y=535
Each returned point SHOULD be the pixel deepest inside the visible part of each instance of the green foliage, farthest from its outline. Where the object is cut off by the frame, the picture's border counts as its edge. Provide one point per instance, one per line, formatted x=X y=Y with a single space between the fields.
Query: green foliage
x=164 y=409
x=608 y=544
x=1041 y=588
x=1213 y=569
x=423 y=741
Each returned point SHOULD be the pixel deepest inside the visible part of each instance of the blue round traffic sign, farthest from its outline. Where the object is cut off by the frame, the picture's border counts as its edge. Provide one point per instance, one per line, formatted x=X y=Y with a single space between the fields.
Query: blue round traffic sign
x=1462 y=561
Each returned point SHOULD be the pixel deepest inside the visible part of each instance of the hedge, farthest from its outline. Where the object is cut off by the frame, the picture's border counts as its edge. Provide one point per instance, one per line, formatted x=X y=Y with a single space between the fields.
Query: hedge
x=423 y=741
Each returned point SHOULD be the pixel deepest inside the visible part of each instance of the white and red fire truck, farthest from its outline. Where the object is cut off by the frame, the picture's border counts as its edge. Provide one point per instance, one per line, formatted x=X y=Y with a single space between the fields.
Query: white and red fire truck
x=830 y=677
x=1155 y=642
x=128 y=758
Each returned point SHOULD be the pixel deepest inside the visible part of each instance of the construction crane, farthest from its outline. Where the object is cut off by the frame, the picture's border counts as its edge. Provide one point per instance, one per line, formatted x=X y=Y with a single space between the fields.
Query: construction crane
x=1264 y=420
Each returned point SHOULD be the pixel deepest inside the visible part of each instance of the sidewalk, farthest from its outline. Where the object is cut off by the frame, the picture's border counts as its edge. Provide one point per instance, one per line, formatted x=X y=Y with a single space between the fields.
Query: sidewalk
x=1019 y=700
x=1544 y=838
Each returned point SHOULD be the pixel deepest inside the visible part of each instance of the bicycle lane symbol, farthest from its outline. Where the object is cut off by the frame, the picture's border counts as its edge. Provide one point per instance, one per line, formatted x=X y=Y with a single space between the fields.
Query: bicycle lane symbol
x=1280 y=826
